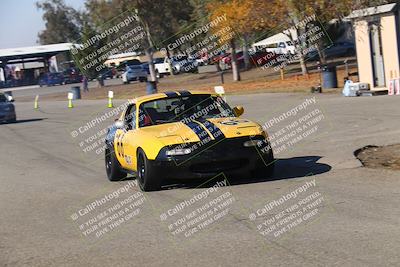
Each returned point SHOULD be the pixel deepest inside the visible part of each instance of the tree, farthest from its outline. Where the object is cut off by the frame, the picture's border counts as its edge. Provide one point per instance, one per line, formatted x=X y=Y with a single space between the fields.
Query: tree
x=245 y=17
x=326 y=10
x=63 y=23
x=159 y=19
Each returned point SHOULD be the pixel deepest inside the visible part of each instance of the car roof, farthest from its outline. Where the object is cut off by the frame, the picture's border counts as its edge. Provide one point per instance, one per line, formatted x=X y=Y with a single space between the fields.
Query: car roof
x=170 y=94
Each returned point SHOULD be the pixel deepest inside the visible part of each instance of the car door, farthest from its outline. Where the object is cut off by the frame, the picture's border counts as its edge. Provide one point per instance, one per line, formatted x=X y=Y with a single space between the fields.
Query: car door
x=130 y=139
x=123 y=148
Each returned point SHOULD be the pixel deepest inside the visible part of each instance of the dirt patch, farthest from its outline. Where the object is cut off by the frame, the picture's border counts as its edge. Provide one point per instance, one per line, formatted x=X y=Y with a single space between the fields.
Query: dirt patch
x=380 y=157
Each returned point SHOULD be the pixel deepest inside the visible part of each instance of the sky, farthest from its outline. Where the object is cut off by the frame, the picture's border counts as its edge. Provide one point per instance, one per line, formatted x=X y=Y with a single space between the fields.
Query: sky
x=21 y=21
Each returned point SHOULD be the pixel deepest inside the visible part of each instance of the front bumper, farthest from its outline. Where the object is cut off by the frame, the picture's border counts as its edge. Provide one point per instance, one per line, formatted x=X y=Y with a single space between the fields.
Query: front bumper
x=7 y=116
x=228 y=156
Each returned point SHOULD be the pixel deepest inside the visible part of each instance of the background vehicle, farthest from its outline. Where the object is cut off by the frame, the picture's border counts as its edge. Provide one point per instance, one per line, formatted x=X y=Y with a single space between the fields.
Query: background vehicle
x=337 y=49
x=162 y=66
x=7 y=109
x=184 y=64
x=122 y=66
x=180 y=64
x=136 y=143
x=260 y=58
x=135 y=73
x=225 y=60
x=281 y=48
x=72 y=75
x=109 y=73
x=146 y=67
x=340 y=49
x=51 y=78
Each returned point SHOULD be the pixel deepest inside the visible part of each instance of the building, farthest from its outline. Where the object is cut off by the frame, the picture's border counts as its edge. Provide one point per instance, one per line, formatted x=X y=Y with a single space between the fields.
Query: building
x=377 y=35
x=26 y=63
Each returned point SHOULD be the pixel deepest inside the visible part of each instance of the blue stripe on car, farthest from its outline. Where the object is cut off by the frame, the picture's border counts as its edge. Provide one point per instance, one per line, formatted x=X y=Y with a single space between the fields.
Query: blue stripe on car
x=199 y=131
x=213 y=129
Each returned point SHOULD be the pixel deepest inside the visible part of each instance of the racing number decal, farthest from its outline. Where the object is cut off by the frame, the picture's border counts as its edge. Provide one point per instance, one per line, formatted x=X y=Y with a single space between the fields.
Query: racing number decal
x=120 y=145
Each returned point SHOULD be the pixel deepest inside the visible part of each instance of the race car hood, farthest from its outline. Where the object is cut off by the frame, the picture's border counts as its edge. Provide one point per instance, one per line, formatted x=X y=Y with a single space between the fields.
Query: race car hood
x=236 y=127
x=198 y=130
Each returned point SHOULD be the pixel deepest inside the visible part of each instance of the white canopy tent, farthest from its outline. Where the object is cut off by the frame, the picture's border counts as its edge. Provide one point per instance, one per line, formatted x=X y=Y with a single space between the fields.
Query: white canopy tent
x=277 y=38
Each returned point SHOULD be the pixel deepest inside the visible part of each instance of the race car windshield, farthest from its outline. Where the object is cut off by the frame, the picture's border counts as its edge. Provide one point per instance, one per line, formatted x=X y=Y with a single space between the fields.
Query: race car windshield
x=175 y=109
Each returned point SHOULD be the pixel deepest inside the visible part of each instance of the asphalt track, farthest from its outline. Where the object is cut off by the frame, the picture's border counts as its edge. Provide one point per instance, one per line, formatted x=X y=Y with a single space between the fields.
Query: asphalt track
x=47 y=183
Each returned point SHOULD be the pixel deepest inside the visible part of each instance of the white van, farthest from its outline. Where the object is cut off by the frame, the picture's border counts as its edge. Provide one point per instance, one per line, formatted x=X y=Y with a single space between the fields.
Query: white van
x=278 y=44
x=281 y=48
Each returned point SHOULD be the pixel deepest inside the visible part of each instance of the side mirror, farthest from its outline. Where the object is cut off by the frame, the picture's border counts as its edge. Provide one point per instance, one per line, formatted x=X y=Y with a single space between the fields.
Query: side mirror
x=119 y=124
x=239 y=110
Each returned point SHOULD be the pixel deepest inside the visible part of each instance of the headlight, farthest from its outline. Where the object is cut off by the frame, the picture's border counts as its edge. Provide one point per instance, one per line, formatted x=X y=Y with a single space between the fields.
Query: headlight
x=252 y=143
x=178 y=152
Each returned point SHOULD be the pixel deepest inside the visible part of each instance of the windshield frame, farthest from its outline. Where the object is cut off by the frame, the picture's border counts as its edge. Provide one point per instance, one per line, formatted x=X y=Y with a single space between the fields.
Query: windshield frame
x=181 y=117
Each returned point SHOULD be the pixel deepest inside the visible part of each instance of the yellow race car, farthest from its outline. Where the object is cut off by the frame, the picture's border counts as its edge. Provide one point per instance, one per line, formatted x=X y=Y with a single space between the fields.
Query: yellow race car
x=184 y=135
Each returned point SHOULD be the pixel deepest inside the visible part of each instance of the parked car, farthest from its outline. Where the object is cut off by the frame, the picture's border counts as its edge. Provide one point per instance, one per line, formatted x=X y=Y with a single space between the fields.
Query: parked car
x=51 y=78
x=146 y=67
x=122 y=66
x=218 y=58
x=7 y=108
x=162 y=66
x=108 y=73
x=184 y=64
x=180 y=64
x=134 y=73
x=261 y=58
x=226 y=60
x=281 y=48
x=337 y=49
x=340 y=49
x=72 y=75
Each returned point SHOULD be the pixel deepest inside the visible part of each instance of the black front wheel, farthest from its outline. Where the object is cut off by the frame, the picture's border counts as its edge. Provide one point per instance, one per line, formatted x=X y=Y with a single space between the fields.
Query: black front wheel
x=146 y=175
x=113 y=168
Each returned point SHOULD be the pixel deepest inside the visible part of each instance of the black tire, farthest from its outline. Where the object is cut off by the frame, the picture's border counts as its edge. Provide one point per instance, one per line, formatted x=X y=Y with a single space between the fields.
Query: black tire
x=113 y=168
x=146 y=175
